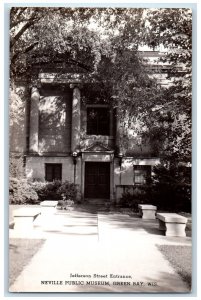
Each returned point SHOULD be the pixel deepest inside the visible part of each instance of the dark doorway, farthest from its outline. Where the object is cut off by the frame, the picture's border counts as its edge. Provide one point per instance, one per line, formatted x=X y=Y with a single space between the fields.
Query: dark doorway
x=97 y=180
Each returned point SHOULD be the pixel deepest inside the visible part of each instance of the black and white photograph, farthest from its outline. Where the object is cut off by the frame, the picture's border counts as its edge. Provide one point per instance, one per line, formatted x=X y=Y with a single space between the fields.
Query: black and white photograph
x=100 y=149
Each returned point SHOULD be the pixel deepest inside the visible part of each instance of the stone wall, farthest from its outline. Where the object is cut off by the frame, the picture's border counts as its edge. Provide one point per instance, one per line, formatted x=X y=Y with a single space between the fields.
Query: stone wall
x=35 y=168
x=124 y=175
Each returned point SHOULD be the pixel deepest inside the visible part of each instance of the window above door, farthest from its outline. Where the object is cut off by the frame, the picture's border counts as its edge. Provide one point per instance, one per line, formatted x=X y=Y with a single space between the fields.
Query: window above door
x=98 y=120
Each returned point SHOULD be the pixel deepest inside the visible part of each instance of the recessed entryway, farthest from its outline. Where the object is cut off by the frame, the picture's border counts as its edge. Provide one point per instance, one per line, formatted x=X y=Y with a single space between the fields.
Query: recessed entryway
x=97 y=180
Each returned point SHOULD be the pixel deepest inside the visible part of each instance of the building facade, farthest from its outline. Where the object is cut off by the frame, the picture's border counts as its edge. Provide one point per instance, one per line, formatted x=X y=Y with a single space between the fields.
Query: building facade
x=63 y=138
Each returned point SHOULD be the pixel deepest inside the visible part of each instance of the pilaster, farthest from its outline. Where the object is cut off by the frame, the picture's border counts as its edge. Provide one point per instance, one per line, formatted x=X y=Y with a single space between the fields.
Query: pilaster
x=76 y=118
x=34 y=120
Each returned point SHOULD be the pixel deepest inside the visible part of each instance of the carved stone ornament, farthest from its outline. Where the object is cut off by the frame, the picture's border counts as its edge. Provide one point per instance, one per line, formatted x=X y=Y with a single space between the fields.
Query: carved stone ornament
x=97 y=147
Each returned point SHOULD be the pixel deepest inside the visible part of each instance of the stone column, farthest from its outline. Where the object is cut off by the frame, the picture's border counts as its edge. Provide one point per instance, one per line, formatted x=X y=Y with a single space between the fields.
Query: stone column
x=76 y=119
x=34 y=120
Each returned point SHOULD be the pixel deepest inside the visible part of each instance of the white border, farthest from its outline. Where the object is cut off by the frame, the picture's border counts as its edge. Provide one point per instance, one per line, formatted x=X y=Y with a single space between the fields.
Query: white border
x=3 y=120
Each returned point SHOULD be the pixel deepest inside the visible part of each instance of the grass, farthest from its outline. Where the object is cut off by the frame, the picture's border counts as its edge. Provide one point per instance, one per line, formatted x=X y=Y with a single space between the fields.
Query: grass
x=180 y=258
x=20 y=253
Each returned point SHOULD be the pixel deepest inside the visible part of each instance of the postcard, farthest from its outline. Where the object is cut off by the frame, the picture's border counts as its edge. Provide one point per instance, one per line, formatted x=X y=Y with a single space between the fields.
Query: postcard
x=100 y=102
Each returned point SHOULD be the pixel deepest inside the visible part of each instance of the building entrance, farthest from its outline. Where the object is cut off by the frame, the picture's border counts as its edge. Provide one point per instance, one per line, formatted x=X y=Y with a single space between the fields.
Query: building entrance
x=97 y=180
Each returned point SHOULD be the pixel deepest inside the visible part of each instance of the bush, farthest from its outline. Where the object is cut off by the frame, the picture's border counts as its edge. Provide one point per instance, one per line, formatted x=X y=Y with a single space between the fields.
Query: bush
x=20 y=192
x=68 y=190
x=47 y=190
x=56 y=190
x=131 y=201
x=170 y=189
x=65 y=204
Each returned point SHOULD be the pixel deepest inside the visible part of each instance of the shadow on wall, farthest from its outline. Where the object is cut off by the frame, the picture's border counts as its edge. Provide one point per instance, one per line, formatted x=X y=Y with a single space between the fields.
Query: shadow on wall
x=54 y=124
x=17 y=119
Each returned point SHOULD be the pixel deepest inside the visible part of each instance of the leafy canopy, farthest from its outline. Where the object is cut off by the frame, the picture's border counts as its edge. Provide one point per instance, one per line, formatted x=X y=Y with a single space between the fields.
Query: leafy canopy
x=104 y=42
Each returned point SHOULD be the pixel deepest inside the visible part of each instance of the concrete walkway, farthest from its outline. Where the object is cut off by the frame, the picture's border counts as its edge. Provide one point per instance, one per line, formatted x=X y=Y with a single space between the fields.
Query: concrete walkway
x=86 y=252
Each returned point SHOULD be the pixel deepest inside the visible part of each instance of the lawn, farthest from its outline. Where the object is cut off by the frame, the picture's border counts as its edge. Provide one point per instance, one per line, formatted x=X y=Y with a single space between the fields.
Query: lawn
x=20 y=253
x=180 y=258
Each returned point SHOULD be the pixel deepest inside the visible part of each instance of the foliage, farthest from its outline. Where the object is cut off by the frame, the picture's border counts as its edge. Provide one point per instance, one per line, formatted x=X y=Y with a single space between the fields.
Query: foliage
x=41 y=34
x=68 y=190
x=170 y=189
x=56 y=190
x=16 y=106
x=23 y=191
x=20 y=192
x=47 y=190
x=61 y=204
x=16 y=166
x=131 y=201
x=65 y=204
x=171 y=30
x=104 y=43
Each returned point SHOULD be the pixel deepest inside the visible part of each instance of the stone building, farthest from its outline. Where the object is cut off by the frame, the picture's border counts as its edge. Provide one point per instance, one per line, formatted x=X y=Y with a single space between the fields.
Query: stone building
x=63 y=138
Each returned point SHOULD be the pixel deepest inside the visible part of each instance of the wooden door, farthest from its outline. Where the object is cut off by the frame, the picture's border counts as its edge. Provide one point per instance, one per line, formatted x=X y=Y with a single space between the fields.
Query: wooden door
x=97 y=180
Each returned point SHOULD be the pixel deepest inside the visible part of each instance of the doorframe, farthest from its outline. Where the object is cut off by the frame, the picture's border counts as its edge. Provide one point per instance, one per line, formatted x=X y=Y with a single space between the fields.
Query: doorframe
x=98 y=157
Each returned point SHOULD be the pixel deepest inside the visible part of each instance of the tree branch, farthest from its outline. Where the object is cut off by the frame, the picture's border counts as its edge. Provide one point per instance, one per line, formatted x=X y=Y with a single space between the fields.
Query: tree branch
x=29 y=48
x=79 y=64
x=20 y=33
x=31 y=21
x=13 y=24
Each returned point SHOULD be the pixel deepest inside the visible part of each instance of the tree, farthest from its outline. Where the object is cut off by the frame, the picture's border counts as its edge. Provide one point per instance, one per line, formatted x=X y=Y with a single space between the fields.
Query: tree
x=171 y=29
x=81 y=33
x=104 y=43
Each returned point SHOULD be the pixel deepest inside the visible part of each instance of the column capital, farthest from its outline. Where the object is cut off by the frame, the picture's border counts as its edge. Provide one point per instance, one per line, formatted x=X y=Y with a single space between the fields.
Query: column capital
x=34 y=89
x=35 y=84
x=76 y=85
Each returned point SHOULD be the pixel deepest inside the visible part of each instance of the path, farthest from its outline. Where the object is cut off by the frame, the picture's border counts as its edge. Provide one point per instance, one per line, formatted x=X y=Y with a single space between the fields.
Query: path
x=82 y=246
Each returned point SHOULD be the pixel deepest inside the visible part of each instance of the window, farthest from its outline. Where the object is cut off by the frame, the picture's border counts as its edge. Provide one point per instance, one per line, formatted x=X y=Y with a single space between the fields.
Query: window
x=53 y=172
x=141 y=174
x=98 y=121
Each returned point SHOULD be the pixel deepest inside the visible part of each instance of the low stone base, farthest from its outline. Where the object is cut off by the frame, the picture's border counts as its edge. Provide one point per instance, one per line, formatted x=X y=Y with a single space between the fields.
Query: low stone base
x=147 y=211
x=175 y=229
x=24 y=218
x=23 y=223
x=48 y=207
x=173 y=224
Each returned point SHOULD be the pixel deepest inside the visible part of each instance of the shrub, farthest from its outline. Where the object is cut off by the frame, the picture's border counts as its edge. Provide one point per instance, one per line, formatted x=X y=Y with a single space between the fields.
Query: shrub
x=56 y=190
x=20 y=192
x=68 y=190
x=129 y=200
x=171 y=188
x=61 y=204
x=47 y=190
x=65 y=204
